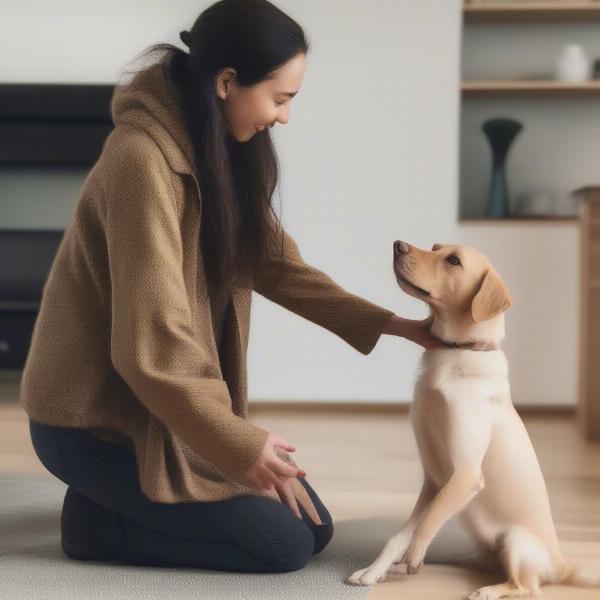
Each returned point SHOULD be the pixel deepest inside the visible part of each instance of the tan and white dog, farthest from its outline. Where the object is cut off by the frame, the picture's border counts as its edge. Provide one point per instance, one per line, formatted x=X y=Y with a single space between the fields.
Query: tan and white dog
x=477 y=457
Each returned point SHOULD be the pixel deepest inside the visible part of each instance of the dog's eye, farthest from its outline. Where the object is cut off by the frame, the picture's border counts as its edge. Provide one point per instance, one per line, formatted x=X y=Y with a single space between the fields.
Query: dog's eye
x=453 y=259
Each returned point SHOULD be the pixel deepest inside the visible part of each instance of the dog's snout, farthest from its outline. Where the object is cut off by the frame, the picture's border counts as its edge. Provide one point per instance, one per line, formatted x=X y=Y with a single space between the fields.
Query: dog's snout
x=400 y=247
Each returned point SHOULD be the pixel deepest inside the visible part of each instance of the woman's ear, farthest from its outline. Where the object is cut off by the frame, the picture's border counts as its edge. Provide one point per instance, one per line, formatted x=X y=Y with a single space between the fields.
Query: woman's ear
x=491 y=299
x=224 y=81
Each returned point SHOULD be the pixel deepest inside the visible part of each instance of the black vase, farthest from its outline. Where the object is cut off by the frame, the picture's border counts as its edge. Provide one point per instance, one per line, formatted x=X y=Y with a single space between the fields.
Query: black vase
x=500 y=134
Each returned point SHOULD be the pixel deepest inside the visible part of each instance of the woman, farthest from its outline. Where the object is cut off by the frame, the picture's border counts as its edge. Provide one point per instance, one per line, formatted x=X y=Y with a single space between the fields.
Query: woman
x=135 y=381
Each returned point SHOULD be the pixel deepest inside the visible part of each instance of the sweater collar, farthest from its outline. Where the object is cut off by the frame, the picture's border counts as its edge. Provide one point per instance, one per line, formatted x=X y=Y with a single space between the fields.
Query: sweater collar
x=152 y=102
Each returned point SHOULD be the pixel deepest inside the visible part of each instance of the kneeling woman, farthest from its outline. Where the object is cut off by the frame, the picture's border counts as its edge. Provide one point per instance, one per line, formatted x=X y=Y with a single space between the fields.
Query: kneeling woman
x=135 y=381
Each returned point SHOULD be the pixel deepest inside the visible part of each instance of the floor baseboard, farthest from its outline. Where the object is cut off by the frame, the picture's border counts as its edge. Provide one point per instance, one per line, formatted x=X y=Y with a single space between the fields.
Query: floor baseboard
x=256 y=406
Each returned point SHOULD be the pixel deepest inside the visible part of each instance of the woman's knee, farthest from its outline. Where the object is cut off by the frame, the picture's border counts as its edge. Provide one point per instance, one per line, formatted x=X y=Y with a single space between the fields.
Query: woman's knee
x=291 y=550
x=298 y=542
x=301 y=545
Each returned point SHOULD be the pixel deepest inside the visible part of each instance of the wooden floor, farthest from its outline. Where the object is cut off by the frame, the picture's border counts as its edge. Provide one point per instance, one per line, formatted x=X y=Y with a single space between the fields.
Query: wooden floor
x=364 y=464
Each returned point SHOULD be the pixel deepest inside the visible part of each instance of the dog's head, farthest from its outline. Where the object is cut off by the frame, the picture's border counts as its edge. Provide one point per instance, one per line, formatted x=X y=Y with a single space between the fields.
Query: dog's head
x=455 y=279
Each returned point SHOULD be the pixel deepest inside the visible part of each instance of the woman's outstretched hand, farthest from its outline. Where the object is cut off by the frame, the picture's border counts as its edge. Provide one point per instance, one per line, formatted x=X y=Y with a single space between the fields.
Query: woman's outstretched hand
x=270 y=470
x=415 y=330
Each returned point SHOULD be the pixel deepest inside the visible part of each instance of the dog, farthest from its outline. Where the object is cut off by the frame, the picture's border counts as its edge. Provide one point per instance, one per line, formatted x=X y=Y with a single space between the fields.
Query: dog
x=478 y=460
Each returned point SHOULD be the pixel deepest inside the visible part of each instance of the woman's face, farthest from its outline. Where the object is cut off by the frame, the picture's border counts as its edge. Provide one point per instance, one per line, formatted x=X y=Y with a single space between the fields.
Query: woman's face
x=248 y=110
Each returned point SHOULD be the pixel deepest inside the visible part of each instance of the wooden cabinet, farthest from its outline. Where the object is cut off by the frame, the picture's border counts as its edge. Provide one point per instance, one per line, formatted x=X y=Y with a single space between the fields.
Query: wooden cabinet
x=538 y=260
x=588 y=407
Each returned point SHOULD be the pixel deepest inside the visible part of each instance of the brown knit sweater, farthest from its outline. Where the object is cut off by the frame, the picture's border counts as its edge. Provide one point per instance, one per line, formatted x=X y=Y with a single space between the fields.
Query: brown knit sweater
x=124 y=342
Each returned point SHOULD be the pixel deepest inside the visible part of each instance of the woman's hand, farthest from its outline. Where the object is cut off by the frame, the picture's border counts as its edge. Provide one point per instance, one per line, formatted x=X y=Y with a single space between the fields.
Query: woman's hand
x=286 y=493
x=415 y=330
x=423 y=335
x=269 y=470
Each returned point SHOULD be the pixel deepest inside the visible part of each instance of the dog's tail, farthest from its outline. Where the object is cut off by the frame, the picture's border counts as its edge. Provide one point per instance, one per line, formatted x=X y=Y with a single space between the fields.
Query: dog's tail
x=573 y=574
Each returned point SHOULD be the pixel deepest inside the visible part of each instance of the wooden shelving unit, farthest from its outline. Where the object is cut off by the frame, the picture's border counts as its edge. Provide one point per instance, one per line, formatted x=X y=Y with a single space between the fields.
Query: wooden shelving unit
x=486 y=11
x=520 y=12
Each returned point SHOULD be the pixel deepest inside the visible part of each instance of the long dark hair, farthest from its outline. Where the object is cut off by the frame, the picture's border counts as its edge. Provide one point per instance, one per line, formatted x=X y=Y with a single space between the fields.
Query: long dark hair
x=237 y=180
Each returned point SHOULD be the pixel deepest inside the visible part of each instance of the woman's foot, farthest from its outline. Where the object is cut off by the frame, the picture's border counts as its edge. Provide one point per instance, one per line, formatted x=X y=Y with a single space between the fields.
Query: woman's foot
x=84 y=524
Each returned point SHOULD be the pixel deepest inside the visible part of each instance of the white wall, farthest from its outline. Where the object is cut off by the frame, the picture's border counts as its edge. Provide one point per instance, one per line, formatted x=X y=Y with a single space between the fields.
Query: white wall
x=369 y=156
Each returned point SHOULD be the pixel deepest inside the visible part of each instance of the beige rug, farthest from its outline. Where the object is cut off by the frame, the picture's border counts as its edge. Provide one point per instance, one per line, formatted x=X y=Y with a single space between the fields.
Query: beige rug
x=34 y=567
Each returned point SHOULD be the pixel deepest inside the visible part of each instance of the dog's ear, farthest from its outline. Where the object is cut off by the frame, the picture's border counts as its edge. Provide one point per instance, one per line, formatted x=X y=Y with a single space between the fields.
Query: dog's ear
x=436 y=246
x=491 y=299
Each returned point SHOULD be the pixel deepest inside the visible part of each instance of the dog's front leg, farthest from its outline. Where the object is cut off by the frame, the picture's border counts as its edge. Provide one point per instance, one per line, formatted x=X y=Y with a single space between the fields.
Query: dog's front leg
x=396 y=546
x=460 y=489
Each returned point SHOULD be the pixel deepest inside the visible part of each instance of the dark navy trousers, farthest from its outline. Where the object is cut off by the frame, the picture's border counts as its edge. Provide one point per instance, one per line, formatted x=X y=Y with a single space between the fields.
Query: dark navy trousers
x=243 y=533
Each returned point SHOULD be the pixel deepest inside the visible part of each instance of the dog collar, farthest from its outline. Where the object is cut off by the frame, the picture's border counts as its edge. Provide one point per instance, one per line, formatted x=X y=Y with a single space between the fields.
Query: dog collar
x=475 y=346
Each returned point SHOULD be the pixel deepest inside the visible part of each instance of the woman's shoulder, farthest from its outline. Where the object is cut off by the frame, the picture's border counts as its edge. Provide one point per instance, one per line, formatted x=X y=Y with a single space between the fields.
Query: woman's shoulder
x=126 y=144
x=133 y=171
x=130 y=154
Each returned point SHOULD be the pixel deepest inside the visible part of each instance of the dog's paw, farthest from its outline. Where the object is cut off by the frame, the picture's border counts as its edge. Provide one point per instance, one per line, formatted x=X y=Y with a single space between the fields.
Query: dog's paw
x=397 y=568
x=414 y=556
x=489 y=592
x=366 y=576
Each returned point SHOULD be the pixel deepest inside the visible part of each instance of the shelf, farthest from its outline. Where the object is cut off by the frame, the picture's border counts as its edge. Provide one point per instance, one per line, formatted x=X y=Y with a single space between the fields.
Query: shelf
x=529 y=220
x=520 y=12
x=529 y=87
